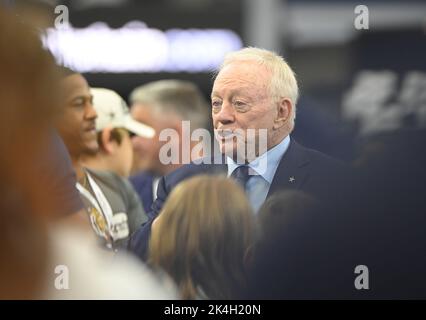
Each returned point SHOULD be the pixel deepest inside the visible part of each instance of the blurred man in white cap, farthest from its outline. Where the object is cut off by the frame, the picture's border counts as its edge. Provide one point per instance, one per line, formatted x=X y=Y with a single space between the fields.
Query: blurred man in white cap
x=114 y=125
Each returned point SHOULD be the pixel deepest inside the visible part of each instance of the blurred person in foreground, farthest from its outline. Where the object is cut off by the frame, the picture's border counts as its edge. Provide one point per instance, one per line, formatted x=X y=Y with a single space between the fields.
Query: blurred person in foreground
x=202 y=238
x=114 y=125
x=34 y=239
x=113 y=206
x=55 y=172
x=255 y=90
x=28 y=105
x=163 y=105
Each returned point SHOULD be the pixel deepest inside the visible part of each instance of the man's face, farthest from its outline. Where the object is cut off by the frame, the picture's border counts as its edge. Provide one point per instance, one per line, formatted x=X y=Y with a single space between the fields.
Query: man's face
x=241 y=100
x=146 y=150
x=77 y=124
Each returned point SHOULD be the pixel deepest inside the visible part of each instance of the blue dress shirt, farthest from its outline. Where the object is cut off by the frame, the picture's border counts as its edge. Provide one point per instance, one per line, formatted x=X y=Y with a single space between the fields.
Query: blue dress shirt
x=262 y=171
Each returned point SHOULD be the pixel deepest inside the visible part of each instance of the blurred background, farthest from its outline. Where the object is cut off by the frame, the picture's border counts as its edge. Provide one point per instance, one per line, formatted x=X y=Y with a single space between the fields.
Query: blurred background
x=354 y=82
x=361 y=69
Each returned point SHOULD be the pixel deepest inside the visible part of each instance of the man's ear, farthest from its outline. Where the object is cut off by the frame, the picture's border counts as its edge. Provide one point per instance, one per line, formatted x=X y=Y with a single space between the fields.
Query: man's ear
x=284 y=110
x=107 y=144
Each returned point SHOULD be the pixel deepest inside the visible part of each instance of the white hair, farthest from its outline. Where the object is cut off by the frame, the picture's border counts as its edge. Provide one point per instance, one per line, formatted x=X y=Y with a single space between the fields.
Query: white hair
x=283 y=80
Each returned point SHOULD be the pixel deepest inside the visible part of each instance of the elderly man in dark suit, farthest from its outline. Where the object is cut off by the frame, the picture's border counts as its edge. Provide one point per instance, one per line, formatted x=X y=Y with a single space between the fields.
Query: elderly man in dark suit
x=255 y=90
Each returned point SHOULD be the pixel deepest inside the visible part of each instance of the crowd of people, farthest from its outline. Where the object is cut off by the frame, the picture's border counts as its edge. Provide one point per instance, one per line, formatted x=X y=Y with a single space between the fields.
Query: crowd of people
x=90 y=211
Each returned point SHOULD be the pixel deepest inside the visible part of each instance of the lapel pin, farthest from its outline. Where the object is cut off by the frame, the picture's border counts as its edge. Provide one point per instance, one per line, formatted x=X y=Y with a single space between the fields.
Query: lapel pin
x=291 y=179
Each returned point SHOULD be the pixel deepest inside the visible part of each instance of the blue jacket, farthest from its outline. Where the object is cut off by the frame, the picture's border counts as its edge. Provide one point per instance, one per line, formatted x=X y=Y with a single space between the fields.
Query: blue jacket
x=142 y=183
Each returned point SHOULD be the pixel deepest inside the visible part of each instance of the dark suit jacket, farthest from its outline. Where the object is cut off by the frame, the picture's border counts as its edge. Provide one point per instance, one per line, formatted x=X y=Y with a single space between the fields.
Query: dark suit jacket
x=142 y=182
x=313 y=172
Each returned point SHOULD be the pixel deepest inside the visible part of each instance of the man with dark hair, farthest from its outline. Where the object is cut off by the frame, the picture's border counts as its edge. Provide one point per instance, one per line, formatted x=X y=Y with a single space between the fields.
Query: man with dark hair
x=114 y=125
x=114 y=208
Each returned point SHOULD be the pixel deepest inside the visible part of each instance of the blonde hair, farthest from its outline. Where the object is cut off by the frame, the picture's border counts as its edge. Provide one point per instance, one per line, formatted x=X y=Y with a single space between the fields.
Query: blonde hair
x=202 y=236
x=283 y=79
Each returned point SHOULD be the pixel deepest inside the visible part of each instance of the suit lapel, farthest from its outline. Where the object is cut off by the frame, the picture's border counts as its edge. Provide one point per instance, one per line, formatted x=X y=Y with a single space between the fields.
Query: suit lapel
x=292 y=170
x=148 y=192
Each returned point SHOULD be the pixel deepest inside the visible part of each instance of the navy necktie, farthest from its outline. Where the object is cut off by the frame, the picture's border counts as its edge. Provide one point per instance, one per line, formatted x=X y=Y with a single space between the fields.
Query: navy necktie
x=241 y=175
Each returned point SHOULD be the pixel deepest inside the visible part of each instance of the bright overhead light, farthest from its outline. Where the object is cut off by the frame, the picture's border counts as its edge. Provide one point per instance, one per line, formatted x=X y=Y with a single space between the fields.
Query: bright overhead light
x=137 y=48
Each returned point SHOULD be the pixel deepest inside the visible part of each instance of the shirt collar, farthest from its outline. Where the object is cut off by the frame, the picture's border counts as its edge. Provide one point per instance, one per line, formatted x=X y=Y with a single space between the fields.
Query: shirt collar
x=272 y=158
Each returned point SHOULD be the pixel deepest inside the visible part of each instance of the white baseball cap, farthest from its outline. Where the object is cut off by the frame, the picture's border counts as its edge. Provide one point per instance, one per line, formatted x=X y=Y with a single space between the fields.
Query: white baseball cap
x=113 y=112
